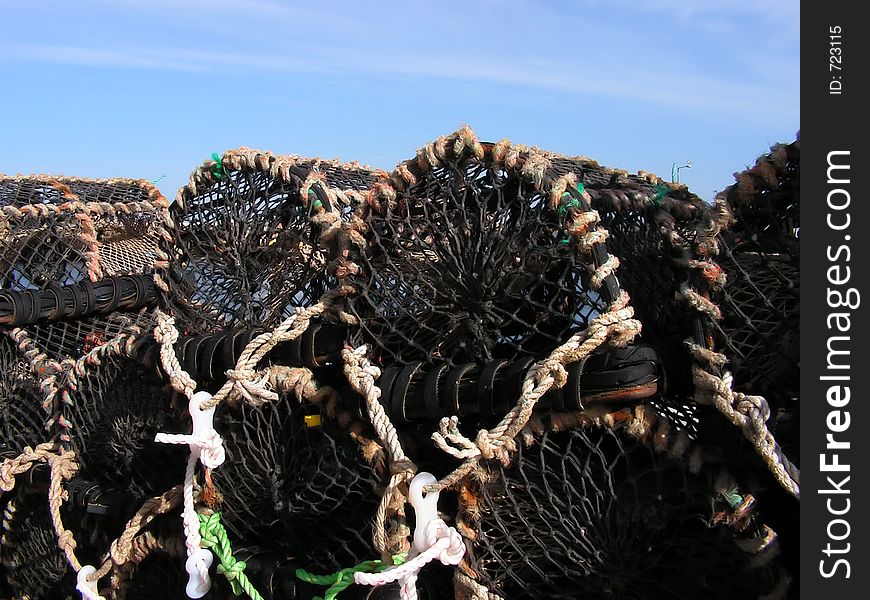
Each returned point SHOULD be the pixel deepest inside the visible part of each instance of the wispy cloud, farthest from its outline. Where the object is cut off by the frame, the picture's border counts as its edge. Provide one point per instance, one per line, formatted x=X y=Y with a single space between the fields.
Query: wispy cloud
x=692 y=92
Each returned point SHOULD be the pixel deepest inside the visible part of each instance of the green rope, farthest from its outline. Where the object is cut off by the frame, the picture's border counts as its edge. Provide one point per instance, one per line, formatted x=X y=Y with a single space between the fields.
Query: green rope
x=214 y=537
x=341 y=580
x=217 y=169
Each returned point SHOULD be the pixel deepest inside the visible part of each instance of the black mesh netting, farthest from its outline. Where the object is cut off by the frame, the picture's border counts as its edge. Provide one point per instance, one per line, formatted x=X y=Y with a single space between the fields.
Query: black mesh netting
x=294 y=488
x=41 y=250
x=589 y=514
x=73 y=338
x=115 y=410
x=32 y=564
x=247 y=253
x=760 y=254
x=21 y=416
x=470 y=263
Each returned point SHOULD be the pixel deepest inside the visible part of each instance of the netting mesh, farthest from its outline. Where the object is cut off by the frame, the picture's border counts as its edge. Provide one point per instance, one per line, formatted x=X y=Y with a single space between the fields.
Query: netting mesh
x=21 y=416
x=590 y=514
x=73 y=338
x=247 y=244
x=470 y=263
x=33 y=566
x=760 y=253
x=115 y=409
x=291 y=488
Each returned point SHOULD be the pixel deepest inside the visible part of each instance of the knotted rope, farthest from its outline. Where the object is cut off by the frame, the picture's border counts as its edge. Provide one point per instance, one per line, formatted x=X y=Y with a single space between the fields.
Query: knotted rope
x=442 y=542
x=617 y=325
x=214 y=537
x=362 y=375
x=748 y=413
x=257 y=387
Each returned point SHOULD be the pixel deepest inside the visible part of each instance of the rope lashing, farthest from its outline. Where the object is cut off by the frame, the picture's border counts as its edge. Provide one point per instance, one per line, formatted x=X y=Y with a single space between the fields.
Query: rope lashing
x=254 y=386
x=747 y=413
x=341 y=580
x=362 y=374
x=214 y=537
x=206 y=447
x=433 y=539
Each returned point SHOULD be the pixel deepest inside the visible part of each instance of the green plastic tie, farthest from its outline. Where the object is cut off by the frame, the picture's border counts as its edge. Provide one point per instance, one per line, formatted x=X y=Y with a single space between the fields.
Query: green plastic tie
x=661 y=192
x=341 y=580
x=217 y=169
x=214 y=537
x=733 y=498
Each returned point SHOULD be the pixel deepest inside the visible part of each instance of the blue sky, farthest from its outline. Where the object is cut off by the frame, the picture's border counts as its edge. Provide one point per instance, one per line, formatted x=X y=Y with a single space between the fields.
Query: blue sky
x=150 y=89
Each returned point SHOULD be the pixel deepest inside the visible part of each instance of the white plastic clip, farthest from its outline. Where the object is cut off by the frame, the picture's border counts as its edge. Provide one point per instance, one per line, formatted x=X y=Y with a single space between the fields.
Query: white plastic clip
x=203 y=420
x=87 y=588
x=197 y=585
x=425 y=508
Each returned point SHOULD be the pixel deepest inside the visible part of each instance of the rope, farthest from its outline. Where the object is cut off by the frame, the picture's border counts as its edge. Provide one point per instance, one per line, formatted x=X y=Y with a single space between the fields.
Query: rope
x=255 y=387
x=362 y=374
x=214 y=537
x=166 y=335
x=616 y=325
x=748 y=413
x=341 y=580
x=206 y=447
x=62 y=466
x=443 y=543
x=124 y=548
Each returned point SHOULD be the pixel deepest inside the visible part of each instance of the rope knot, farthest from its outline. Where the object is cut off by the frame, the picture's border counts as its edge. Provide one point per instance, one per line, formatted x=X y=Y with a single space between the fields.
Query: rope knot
x=403 y=467
x=251 y=385
x=484 y=443
x=447 y=540
x=232 y=569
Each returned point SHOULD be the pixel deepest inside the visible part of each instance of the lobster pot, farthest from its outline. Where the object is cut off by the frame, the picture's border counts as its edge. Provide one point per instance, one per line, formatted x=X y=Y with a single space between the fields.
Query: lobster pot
x=760 y=303
x=78 y=262
x=257 y=236
x=653 y=228
x=60 y=231
x=593 y=514
x=468 y=259
x=115 y=408
x=248 y=242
